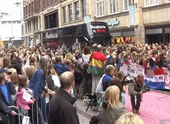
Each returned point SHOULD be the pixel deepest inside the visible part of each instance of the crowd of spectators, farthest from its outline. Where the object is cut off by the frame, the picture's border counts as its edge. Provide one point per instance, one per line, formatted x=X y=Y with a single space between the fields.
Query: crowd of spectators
x=62 y=75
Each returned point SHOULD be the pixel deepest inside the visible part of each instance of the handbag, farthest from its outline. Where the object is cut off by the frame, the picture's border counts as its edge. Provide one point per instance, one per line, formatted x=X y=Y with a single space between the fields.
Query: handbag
x=94 y=120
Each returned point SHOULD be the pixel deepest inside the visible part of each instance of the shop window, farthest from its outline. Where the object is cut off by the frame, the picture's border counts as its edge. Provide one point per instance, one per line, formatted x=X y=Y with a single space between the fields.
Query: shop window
x=77 y=10
x=151 y=2
x=113 y=6
x=126 y=4
x=70 y=13
x=64 y=14
x=100 y=7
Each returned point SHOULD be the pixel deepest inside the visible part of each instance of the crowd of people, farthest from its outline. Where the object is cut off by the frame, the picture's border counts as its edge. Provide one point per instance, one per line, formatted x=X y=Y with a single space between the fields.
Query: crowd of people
x=64 y=77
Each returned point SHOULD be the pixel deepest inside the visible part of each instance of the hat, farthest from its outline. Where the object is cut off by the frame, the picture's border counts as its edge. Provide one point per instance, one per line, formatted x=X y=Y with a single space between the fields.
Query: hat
x=2 y=70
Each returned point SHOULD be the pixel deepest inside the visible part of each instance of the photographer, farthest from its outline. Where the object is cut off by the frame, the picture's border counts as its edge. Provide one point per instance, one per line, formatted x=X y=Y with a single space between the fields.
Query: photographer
x=136 y=89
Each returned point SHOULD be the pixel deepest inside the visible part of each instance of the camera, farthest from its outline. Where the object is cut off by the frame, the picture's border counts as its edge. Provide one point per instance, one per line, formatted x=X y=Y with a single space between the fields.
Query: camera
x=128 y=79
x=45 y=89
x=146 y=89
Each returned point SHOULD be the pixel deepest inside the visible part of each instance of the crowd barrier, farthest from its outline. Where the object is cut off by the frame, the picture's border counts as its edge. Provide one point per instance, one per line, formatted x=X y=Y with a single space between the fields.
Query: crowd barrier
x=40 y=110
x=18 y=112
x=38 y=113
x=155 y=79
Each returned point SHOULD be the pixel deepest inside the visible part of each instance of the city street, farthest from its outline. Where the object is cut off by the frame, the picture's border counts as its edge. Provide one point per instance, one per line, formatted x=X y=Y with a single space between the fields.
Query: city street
x=154 y=109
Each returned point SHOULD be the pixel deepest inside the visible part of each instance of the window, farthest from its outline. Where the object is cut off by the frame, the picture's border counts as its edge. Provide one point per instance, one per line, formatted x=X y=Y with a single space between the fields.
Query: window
x=24 y=11
x=127 y=3
x=100 y=7
x=70 y=13
x=84 y=7
x=113 y=6
x=77 y=10
x=151 y=2
x=29 y=8
x=64 y=14
x=4 y=22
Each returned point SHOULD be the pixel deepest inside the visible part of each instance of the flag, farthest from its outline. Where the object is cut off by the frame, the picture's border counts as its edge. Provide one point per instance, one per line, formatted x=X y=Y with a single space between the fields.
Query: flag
x=156 y=81
x=96 y=67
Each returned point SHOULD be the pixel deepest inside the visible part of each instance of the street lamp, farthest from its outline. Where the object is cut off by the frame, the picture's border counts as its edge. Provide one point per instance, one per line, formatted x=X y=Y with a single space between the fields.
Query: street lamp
x=17 y=3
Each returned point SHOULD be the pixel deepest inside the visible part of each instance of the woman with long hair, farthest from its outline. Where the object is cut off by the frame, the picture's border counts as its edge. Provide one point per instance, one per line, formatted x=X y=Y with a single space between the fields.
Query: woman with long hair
x=111 y=108
x=37 y=81
x=37 y=84
x=52 y=79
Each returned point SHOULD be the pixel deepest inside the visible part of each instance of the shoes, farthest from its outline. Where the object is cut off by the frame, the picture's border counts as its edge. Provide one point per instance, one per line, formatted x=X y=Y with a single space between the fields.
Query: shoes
x=137 y=112
x=134 y=110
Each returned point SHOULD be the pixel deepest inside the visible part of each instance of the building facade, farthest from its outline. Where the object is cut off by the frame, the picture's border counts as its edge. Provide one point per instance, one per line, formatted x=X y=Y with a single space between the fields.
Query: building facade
x=11 y=21
x=151 y=24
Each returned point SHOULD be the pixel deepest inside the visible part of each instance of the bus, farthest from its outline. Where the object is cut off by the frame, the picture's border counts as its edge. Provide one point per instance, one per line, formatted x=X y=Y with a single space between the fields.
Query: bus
x=77 y=36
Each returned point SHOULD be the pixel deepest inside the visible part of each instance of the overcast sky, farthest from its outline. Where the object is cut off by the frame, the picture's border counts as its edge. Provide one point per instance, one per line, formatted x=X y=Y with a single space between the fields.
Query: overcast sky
x=9 y=7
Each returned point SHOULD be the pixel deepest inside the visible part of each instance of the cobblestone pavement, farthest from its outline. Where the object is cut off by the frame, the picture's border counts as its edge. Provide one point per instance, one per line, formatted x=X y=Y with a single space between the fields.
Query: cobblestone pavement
x=155 y=109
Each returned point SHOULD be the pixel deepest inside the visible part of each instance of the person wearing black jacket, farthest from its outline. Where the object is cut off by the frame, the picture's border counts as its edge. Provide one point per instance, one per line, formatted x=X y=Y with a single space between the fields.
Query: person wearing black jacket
x=114 y=60
x=6 y=90
x=62 y=110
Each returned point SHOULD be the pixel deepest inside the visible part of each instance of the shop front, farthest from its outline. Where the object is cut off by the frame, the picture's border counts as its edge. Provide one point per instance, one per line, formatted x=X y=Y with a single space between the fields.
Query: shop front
x=159 y=34
x=121 y=34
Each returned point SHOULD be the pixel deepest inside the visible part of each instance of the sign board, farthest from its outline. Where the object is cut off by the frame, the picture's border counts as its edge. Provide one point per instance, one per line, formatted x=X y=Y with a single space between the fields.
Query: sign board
x=87 y=19
x=26 y=120
x=140 y=70
x=27 y=96
x=132 y=69
x=113 y=23
x=132 y=15
x=88 y=23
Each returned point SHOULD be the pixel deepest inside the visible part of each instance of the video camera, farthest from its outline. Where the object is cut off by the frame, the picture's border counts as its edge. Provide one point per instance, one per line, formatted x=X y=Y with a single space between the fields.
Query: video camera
x=128 y=79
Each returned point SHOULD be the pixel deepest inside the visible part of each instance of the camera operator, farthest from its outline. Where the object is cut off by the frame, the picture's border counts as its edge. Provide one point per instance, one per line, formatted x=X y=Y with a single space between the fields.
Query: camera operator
x=136 y=89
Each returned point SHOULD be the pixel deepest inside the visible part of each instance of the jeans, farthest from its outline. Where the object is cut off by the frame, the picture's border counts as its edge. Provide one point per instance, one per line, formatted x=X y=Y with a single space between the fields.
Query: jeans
x=138 y=100
x=95 y=81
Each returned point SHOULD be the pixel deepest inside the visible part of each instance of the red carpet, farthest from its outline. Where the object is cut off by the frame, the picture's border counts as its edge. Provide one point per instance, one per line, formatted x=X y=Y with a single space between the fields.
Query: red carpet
x=154 y=108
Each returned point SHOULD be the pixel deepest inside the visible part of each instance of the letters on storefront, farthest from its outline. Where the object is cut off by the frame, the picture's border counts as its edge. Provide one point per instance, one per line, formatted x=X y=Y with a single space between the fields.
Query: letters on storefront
x=113 y=23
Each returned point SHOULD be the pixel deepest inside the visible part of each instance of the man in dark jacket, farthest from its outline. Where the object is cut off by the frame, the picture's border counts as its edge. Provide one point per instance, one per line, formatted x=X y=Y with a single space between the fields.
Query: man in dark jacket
x=6 y=90
x=136 y=88
x=62 y=110
x=114 y=60
x=110 y=72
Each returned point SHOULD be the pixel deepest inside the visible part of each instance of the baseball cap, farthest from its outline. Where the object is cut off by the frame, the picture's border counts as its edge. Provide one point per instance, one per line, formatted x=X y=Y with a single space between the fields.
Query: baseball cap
x=3 y=70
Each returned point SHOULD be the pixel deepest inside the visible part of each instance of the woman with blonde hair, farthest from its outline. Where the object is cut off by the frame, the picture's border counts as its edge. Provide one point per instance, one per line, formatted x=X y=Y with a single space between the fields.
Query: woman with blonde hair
x=111 y=108
x=129 y=118
x=69 y=56
x=52 y=79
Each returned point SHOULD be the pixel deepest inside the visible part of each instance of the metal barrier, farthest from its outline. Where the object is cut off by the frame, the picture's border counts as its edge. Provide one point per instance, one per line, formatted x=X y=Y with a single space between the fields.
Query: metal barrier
x=40 y=112
x=16 y=108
